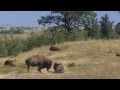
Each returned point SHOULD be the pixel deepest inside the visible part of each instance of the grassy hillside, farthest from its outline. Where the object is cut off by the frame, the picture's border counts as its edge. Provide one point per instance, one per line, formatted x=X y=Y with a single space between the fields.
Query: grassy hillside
x=81 y=59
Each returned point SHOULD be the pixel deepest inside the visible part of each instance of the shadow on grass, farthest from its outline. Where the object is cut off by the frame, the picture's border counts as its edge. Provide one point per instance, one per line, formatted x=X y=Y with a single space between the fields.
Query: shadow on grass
x=57 y=72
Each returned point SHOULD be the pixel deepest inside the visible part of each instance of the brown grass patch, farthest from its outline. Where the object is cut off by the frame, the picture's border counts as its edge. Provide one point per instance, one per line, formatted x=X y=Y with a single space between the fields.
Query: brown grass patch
x=92 y=59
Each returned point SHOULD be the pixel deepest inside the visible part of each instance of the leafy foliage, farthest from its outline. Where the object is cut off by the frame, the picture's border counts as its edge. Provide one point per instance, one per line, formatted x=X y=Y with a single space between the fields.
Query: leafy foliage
x=67 y=19
x=69 y=26
x=117 y=28
x=107 y=27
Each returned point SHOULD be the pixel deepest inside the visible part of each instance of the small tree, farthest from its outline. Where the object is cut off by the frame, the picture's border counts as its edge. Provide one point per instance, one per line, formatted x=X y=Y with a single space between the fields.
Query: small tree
x=106 y=27
x=92 y=28
x=117 y=28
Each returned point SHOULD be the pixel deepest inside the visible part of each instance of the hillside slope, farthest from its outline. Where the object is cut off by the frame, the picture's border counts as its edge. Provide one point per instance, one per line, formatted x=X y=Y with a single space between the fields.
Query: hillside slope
x=81 y=59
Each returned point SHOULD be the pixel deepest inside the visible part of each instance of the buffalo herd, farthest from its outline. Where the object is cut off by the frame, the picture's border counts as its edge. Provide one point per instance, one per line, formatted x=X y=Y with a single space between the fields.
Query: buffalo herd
x=41 y=62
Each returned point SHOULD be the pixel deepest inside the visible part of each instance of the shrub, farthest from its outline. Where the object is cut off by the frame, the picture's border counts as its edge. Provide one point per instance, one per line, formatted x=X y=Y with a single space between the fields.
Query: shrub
x=71 y=65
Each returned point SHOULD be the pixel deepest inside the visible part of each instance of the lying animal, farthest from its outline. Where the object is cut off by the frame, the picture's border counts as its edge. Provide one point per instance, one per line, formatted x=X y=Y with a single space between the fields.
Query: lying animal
x=58 y=67
x=10 y=63
x=54 y=47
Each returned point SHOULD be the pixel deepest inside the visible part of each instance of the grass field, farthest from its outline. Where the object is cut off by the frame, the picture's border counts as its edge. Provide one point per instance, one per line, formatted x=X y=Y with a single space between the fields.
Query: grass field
x=94 y=59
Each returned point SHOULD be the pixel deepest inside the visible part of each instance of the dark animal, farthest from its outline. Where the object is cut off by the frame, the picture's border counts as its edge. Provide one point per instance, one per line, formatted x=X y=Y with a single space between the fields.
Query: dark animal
x=58 y=67
x=117 y=54
x=40 y=61
x=54 y=48
x=10 y=63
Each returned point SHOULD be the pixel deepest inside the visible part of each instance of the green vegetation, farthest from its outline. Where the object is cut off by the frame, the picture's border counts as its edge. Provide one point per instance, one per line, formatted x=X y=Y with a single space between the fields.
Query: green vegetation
x=13 y=46
x=70 y=26
x=18 y=31
x=71 y=65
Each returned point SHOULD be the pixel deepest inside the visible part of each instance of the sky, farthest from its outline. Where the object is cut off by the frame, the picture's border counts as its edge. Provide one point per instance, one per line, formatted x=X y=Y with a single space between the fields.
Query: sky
x=29 y=18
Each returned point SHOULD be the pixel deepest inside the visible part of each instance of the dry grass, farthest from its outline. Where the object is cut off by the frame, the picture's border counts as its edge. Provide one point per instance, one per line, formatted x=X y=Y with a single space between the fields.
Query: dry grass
x=92 y=59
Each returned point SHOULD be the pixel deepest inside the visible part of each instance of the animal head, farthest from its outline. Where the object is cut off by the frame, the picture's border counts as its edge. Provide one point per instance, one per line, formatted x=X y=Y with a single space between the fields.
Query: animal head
x=9 y=62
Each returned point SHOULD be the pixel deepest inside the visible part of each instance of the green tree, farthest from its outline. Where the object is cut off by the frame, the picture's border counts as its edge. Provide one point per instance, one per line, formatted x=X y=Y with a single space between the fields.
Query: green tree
x=107 y=27
x=67 y=19
x=117 y=28
x=92 y=27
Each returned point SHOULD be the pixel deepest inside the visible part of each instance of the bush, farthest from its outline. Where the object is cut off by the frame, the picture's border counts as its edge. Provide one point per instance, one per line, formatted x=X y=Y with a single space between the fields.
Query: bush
x=71 y=65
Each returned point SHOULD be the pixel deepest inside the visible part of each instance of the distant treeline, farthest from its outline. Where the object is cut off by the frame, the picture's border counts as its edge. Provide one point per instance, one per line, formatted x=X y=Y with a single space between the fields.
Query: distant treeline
x=15 y=30
x=19 y=27
x=12 y=31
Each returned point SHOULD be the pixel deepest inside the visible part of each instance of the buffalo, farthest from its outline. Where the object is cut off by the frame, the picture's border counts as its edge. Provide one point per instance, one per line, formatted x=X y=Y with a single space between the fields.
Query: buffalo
x=54 y=47
x=40 y=61
x=58 y=67
x=10 y=63
x=117 y=54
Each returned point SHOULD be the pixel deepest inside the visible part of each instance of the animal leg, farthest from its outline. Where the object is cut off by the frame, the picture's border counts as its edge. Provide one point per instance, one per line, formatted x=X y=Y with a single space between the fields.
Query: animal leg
x=47 y=69
x=39 y=69
x=28 y=68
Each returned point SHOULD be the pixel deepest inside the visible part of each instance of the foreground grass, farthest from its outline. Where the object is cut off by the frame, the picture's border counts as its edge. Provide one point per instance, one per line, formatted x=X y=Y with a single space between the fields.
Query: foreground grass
x=81 y=59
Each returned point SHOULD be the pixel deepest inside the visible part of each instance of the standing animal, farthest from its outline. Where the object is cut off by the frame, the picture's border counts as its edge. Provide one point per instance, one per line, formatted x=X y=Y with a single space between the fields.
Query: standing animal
x=58 y=67
x=40 y=61
x=10 y=63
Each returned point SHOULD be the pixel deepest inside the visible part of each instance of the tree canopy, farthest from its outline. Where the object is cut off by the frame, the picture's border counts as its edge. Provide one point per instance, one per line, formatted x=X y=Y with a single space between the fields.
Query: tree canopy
x=67 y=19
